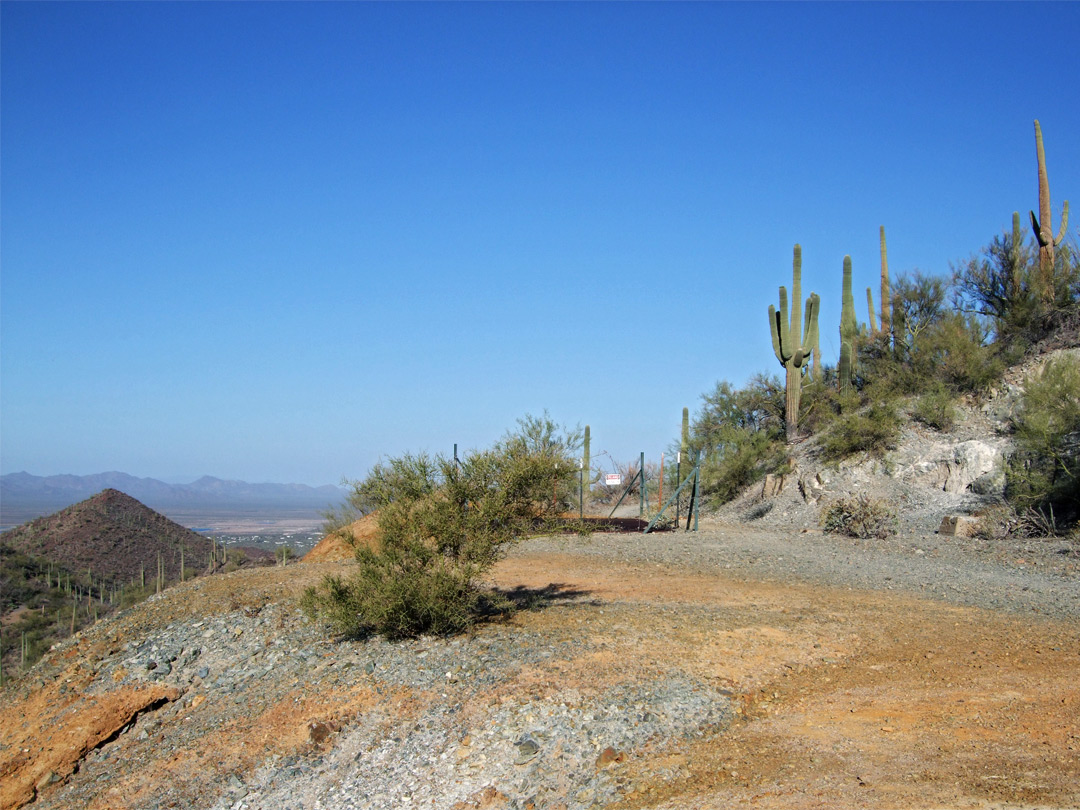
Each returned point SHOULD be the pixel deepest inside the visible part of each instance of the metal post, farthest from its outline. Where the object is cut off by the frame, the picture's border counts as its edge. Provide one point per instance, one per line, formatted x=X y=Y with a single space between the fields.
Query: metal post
x=581 y=489
x=697 y=490
x=678 y=482
x=660 y=497
x=641 y=472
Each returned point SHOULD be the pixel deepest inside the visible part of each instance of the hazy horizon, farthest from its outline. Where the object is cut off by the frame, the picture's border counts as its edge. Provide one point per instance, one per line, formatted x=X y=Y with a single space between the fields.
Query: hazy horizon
x=278 y=241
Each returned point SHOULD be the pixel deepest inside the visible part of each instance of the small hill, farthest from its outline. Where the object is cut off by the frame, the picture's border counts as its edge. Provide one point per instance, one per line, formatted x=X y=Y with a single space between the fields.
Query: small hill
x=341 y=545
x=113 y=536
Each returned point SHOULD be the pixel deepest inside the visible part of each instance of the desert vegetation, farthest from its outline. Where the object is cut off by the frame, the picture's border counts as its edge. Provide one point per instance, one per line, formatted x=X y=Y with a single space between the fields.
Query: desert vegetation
x=939 y=339
x=443 y=522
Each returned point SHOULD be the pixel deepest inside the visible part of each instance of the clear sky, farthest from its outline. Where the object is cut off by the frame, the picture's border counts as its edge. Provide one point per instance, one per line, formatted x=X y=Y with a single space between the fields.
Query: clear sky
x=276 y=241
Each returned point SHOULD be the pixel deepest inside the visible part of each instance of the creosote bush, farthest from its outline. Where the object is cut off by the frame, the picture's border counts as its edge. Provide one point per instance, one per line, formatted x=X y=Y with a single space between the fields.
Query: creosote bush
x=442 y=523
x=1044 y=474
x=935 y=409
x=861 y=517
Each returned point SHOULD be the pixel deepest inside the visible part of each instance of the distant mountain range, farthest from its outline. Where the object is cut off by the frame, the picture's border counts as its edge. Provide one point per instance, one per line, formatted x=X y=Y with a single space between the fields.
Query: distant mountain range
x=24 y=496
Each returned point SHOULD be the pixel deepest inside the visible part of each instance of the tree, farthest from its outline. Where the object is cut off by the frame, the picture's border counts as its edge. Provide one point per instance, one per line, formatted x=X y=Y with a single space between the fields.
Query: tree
x=918 y=302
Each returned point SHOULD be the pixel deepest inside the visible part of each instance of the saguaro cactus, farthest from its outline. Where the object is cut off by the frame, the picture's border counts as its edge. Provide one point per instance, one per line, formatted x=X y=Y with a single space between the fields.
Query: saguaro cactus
x=886 y=294
x=792 y=353
x=586 y=475
x=1042 y=225
x=849 y=328
x=1016 y=258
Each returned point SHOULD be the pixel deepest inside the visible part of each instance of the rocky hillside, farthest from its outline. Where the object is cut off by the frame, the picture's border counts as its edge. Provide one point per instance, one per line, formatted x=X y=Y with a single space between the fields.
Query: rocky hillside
x=927 y=476
x=113 y=536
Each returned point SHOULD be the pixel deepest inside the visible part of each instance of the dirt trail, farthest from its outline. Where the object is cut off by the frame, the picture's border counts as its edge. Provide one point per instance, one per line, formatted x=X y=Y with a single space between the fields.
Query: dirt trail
x=849 y=698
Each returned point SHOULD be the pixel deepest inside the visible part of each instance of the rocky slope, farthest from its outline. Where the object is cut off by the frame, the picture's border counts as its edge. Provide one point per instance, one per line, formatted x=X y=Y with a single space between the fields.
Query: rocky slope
x=929 y=475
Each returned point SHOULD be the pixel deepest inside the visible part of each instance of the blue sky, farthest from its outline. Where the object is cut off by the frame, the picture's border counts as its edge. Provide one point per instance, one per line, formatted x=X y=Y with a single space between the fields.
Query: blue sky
x=276 y=241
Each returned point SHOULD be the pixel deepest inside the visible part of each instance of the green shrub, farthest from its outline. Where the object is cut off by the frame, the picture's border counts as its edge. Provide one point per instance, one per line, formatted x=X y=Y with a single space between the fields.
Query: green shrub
x=742 y=434
x=442 y=524
x=861 y=517
x=955 y=351
x=868 y=430
x=742 y=458
x=935 y=409
x=1044 y=473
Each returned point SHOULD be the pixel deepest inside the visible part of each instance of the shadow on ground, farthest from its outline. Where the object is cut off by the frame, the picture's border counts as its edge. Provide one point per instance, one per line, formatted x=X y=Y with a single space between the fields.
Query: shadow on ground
x=525 y=598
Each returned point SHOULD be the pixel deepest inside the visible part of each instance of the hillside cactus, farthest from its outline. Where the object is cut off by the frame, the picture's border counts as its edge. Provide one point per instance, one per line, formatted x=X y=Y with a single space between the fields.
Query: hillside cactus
x=586 y=475
x=1042 y=225
x=849 y=329
x=793 y=354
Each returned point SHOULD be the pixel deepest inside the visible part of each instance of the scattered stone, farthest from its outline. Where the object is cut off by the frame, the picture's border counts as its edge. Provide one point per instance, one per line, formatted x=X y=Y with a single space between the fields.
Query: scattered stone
x=609 y=756
x=526 y=750
x=958 y=526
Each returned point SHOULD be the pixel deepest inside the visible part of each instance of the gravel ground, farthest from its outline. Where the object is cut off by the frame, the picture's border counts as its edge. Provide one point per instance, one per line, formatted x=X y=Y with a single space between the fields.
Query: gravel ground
x=1017 y=575
x=541 y=712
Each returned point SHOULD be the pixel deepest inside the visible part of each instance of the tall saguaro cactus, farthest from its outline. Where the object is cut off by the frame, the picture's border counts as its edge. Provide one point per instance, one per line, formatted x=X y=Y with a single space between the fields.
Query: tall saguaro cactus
x=886 y=294
x=792 y=352
x=849 y=328
x=1042 y=225
x=586 y=474
x=886 y=300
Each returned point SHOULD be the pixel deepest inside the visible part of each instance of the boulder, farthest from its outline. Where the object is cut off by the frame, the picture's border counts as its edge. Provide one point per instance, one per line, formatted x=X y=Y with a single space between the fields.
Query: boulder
x=772 y=486
x=958 y=526
x=972 y=461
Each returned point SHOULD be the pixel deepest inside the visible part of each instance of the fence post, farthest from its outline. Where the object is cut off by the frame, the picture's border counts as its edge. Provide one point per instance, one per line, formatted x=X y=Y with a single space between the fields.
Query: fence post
x=581 y=490
x=678 y=482
x=697 y=489
x=641 y=499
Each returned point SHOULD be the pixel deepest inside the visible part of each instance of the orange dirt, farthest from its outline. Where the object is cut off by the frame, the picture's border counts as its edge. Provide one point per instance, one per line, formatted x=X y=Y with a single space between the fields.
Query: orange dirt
x=845 y=698
x=341 y=546
x=58 y=728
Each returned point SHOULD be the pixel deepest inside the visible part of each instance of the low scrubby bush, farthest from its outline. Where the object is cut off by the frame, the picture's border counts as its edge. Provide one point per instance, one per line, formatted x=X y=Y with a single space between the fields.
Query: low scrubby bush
x=868 y=430
x=861 y=517
x=1044 y=473
x=741 y=432
x=935 y=409
x=442 y=523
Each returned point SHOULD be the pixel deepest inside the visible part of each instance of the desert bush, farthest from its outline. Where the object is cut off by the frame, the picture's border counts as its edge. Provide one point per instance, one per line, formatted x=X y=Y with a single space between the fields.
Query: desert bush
x=861 y=517
x=955 y=351
x=1044 y=473
x=1001 y=283
x=442 y=523
x=741 y=458
x=919 y=301
x=935 y=409
x=872 y=429
x=741 y=432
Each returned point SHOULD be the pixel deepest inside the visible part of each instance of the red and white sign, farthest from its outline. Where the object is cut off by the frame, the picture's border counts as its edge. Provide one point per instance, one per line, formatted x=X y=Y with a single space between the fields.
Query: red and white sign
x=613 y=479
